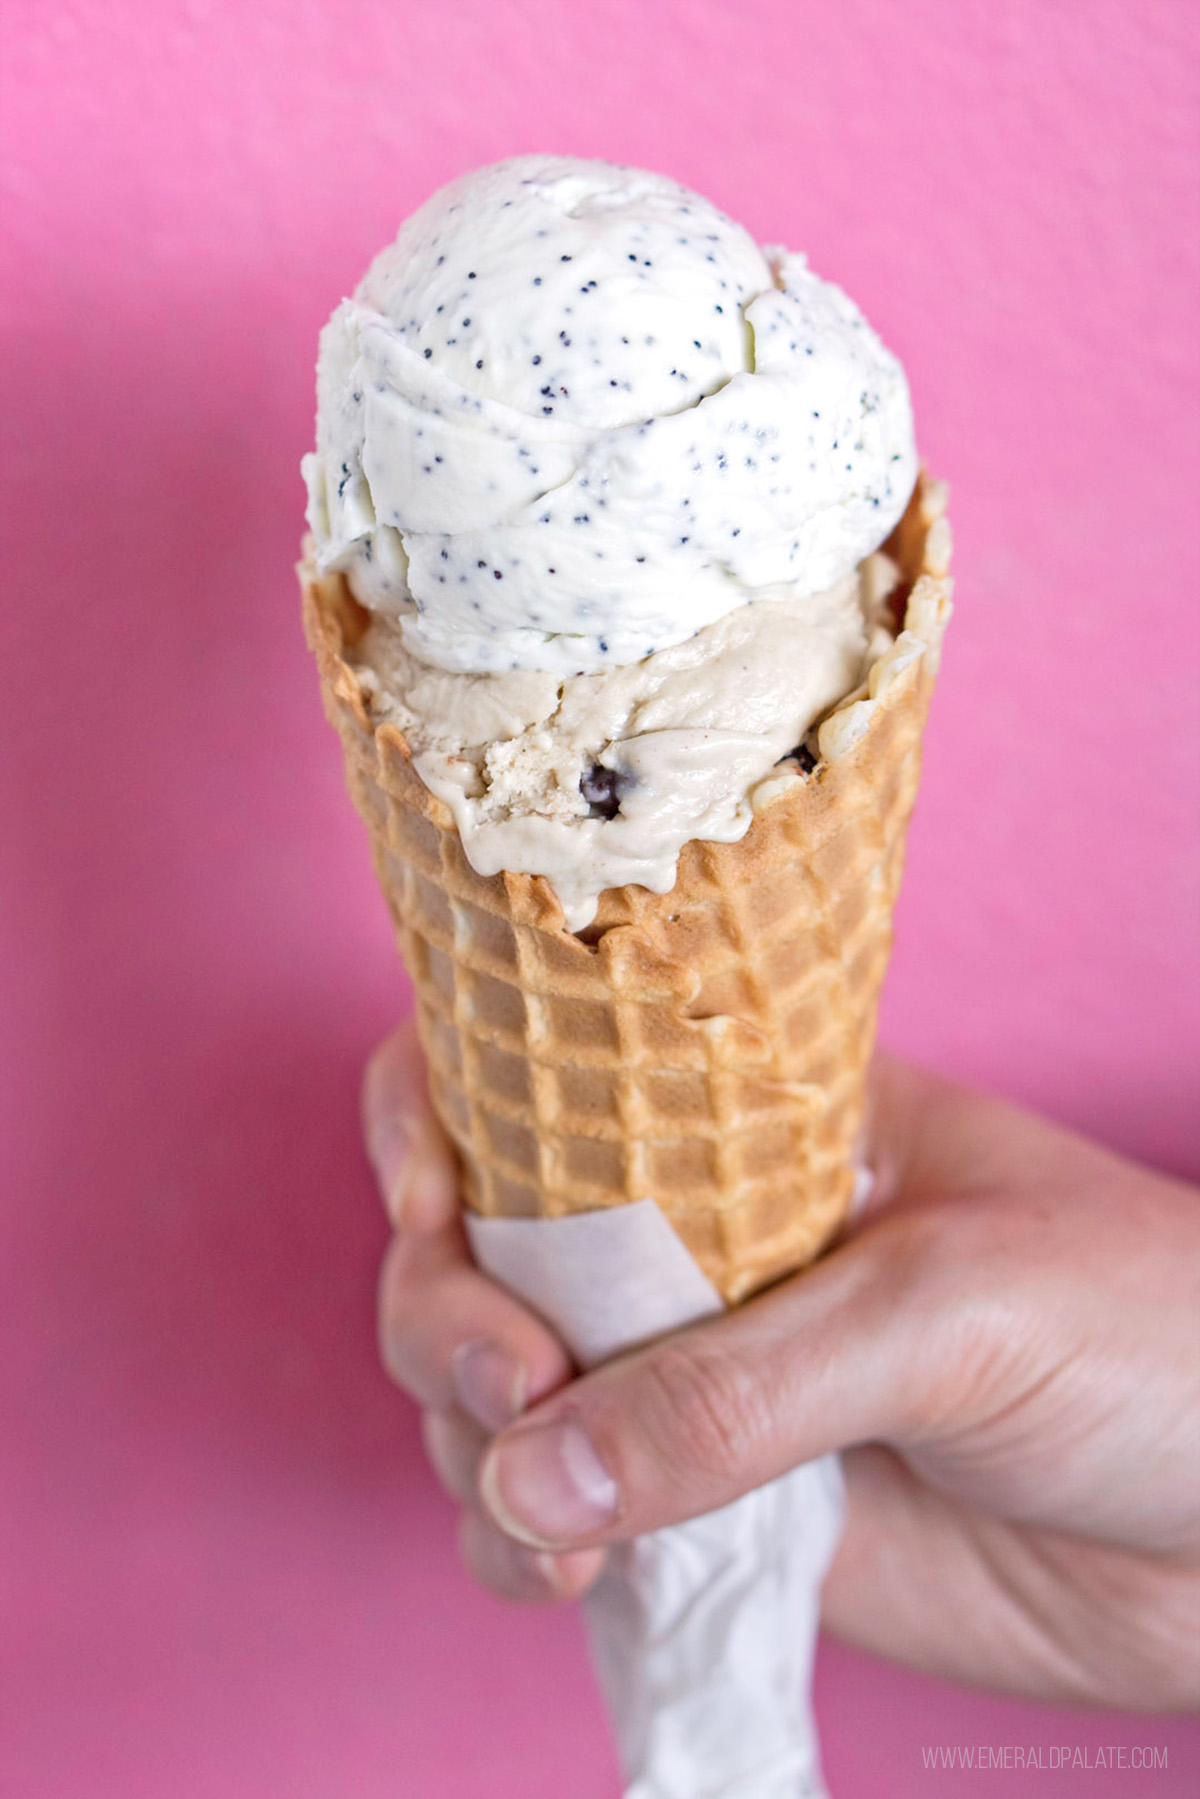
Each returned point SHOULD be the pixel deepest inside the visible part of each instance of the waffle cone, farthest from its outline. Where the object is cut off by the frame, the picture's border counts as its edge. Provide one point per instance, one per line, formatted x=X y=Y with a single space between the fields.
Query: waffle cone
x=706 y=1048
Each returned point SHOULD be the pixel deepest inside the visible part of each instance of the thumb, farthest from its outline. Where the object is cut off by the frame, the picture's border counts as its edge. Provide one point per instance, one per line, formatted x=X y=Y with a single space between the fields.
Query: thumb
x=849 y=1351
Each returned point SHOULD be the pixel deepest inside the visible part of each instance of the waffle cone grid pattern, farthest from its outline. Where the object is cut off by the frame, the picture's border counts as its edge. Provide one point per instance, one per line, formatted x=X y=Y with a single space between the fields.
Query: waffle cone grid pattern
x=706 y=1048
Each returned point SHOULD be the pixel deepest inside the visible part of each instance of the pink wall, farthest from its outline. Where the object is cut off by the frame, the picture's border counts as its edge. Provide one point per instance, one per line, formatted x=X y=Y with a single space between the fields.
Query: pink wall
x=235 y=1578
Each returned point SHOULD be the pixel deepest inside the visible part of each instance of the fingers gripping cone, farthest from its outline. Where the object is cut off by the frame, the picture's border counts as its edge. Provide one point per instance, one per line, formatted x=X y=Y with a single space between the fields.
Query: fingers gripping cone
x=705 y=1048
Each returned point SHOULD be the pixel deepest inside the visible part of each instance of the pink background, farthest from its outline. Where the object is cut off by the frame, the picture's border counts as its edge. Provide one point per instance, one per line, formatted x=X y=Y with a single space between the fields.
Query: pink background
x=232 y=1575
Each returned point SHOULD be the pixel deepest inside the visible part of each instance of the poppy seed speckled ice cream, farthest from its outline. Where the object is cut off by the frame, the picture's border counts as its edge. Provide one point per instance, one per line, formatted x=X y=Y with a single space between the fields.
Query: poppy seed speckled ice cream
x=609 y=477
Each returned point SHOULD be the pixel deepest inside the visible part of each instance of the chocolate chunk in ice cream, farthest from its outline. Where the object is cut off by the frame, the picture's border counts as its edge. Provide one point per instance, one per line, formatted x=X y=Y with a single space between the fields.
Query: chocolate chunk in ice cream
x=600 y=787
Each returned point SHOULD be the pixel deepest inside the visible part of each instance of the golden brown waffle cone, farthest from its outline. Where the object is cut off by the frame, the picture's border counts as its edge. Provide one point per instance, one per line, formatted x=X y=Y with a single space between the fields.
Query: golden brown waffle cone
x=706 y=1048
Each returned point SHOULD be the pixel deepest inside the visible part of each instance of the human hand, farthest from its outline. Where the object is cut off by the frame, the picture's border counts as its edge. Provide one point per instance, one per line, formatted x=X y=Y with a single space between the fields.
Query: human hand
x=1006 y=1349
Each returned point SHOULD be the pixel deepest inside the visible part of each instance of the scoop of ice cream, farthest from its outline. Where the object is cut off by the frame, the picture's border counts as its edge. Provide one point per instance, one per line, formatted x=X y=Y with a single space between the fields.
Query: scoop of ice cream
x=574 y=415
x=597 y=780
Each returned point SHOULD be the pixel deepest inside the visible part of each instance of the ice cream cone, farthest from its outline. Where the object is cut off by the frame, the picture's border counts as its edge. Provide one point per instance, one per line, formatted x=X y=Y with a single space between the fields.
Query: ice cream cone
x=706 y=1048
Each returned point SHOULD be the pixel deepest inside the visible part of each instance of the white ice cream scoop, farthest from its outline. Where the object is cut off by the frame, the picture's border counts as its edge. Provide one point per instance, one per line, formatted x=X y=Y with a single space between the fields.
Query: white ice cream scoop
x=574 y=415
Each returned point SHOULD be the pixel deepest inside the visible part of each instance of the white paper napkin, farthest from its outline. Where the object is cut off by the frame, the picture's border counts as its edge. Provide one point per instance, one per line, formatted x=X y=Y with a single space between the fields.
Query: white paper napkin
x=703 y=1633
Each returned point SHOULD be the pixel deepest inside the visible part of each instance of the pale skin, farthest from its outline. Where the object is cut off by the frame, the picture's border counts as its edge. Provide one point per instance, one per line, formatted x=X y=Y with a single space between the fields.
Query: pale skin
x=1005 y=1348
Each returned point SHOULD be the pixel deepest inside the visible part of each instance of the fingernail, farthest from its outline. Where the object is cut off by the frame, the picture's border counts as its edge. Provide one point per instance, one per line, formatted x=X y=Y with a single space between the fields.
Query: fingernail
x=488 y=1383
x=537 y=1566
x=390 y=1150
x=546 y=1486
x=388 y=1128
x=564 y=1575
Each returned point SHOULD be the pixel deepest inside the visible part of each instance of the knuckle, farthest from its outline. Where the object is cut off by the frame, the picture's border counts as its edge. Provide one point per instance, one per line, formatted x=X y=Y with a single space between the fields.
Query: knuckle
x=404 y=1285
x=709 y=1407
x=396 y=1317
x=907 y=1257
x=491 y=1560
x=958 y=1337
x=474 y=1550
x=454 y=1450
